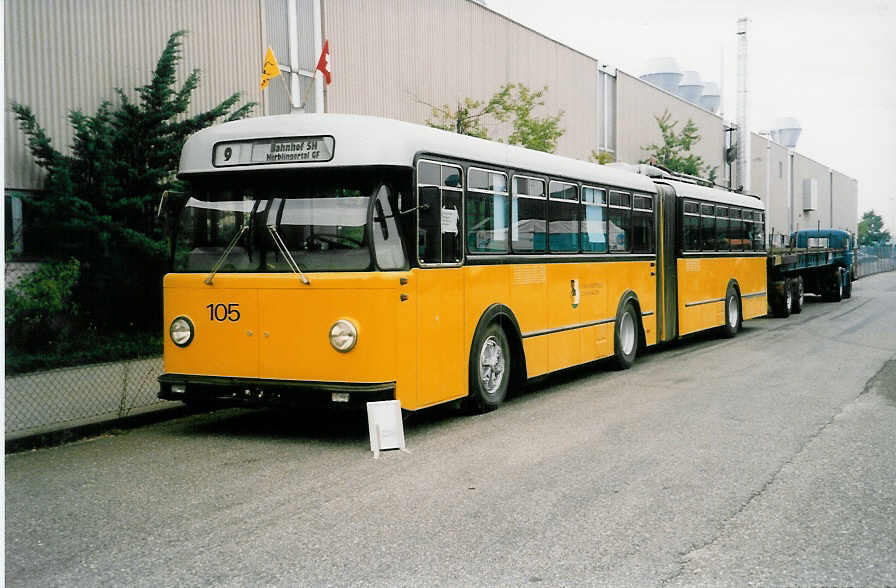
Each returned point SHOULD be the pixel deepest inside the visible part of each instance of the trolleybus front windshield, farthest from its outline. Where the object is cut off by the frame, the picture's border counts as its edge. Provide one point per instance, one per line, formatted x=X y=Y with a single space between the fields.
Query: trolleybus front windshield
x=321 y=218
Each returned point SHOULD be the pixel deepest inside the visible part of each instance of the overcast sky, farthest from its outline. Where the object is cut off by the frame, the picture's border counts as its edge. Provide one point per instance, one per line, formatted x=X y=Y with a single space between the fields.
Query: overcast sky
x=832 y=65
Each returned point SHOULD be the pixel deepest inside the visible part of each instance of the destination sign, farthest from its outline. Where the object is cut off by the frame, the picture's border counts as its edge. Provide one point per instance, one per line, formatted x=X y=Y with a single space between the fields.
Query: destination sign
x=273 y=151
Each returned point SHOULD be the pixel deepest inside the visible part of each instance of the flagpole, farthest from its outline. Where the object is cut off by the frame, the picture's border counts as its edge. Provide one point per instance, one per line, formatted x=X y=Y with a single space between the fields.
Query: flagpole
x=286 y=88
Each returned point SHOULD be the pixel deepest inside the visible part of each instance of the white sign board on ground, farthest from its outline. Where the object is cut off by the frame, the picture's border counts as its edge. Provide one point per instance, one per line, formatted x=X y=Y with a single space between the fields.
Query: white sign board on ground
x=385 y=425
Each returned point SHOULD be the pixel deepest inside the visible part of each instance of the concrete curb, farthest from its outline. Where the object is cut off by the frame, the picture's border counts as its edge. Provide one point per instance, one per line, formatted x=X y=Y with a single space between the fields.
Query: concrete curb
x=57 y=435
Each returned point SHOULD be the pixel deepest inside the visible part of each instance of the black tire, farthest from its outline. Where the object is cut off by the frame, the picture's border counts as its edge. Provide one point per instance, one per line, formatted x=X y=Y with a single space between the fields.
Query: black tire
x=625 y=337
x=836 y=285
x=798 y=294
x=847 y=289
x=733 y=314
x=783 y=304
x=490 y=369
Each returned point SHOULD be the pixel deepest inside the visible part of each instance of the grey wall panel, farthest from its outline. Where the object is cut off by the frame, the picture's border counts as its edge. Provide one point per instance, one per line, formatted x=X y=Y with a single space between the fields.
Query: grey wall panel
x=638 y=105
x=440 y=51
x=62 y=55
x=777 y=180
x=808 y=169
x=846 y=202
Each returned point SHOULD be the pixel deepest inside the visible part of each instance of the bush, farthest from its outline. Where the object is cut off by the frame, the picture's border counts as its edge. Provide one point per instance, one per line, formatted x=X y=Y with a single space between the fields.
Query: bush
x=39 y=310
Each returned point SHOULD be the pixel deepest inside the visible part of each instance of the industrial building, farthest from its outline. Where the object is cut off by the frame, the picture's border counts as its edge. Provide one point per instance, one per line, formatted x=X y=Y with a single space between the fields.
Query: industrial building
x=71 y=54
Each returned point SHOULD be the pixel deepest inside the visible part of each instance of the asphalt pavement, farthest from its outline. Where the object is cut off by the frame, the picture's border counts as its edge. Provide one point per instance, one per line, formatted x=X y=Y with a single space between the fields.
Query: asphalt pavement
x=766 y=459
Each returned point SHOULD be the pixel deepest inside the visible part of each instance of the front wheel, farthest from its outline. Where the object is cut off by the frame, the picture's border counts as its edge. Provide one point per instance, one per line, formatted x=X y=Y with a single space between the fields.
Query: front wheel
x=489 y=369
x=626 y=337
x=732 y=313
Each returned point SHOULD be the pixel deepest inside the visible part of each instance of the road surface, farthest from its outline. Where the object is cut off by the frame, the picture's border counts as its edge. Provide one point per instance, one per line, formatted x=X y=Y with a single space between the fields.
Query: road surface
x=763 y=459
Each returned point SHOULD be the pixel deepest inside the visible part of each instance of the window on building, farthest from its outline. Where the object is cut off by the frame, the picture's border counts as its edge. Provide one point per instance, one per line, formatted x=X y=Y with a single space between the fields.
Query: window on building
x=528 y=215
x=487 y=211
x=563 y=212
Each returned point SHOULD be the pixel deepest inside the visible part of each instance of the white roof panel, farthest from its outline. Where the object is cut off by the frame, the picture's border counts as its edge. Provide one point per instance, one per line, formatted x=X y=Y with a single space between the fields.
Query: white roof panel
x=367 y=140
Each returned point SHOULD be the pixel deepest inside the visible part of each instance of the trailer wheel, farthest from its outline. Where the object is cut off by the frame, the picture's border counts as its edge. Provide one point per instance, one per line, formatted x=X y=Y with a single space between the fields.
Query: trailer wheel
x=732 y=313
x=782 y=304
x=798 y=293
x=847 y=289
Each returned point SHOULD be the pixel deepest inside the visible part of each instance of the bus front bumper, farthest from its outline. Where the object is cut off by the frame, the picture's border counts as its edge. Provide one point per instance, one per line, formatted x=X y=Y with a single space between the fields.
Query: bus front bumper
x=226 y=391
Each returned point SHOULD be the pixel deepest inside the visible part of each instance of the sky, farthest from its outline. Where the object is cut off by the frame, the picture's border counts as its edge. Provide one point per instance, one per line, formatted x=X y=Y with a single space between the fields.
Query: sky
x=831 y=65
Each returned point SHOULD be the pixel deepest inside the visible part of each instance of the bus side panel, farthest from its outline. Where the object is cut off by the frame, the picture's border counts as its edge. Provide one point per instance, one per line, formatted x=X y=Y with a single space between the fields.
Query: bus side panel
x=485 y=285
x=564 y=310
x=635 y=276
x=702 y=282
x=597 y=340
x=528 y=290
x=441 y=351
x=406 y=385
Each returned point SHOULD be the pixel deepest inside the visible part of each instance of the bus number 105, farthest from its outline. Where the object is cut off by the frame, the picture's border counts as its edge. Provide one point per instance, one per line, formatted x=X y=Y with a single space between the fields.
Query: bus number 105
x=223 y=312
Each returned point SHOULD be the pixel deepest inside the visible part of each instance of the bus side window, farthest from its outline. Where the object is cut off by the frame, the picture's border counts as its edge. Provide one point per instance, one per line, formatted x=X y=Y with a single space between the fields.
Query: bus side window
x=429 y=232
x=386 y=241
x=487 y=211
x=528 y=212
x=440 y=212
x=620 y=221
x=642 y=224
x=707 y=228
x=594 y=222
x=690 y=227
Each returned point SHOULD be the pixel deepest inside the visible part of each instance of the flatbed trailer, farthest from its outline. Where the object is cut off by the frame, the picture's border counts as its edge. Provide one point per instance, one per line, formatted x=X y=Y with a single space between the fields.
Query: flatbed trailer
x=800 y=269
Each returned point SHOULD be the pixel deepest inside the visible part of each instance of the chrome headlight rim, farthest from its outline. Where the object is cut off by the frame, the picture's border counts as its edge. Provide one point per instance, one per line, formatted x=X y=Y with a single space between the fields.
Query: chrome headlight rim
x=190 y=327
x=346 y=329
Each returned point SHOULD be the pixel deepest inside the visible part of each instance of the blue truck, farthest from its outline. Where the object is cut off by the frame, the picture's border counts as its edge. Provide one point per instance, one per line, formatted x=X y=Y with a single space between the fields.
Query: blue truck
x=816 y=261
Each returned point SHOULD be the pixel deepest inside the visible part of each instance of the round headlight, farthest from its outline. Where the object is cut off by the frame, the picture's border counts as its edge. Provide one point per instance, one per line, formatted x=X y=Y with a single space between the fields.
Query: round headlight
x=181 y=331
x=343 y=335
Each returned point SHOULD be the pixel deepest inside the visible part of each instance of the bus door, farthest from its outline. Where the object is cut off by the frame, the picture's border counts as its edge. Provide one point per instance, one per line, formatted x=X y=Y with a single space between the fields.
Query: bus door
x=441 y=354
x=666 y=285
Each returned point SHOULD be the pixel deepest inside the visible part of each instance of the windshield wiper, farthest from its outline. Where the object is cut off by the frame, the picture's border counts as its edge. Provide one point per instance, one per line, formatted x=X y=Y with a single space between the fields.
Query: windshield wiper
x=278 y=241
x=226 y=254
x=246 y=222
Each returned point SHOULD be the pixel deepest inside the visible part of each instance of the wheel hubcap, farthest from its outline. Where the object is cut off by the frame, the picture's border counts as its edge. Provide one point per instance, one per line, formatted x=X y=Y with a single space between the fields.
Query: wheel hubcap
x=732 y=312
x=627 y=333
x=491 y=365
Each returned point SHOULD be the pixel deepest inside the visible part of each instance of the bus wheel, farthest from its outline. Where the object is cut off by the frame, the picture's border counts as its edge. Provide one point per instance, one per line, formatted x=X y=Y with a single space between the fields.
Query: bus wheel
x=732 y=313
x=626 y=337
x=798 y=294
x=489 y=369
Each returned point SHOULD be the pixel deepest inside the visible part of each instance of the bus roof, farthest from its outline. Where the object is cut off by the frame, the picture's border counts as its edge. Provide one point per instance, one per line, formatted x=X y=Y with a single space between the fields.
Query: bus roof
x=367 y=140
x=686 y=190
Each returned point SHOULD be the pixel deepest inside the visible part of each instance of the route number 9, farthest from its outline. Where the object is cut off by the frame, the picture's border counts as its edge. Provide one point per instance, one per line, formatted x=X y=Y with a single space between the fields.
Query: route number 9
x=223 y=312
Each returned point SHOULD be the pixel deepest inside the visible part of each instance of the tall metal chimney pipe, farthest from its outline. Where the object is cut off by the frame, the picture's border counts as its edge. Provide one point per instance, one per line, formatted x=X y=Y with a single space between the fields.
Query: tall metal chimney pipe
x=743 y=129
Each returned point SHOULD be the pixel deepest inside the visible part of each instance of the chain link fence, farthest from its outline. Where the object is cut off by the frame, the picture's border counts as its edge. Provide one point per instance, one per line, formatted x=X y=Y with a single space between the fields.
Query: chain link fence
x=52 y=399
x=873 y=260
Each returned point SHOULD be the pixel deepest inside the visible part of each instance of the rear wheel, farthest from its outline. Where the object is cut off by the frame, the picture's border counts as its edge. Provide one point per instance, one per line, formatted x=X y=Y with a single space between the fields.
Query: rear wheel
x=798 y=294
x=489 y=369
x=836 y=285
x=626 y=337
x=732 y=313
x=847 y=289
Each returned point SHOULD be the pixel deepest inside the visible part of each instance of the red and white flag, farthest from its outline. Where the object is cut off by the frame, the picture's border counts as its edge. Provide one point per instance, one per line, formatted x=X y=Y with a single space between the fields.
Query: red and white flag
x=323 y=64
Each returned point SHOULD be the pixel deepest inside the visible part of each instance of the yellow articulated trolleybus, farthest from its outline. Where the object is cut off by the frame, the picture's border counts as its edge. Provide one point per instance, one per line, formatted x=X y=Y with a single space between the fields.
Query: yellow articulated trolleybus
x=339 y=258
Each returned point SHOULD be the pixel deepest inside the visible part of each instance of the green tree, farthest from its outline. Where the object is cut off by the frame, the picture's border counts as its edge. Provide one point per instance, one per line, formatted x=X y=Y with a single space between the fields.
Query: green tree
x=871 y=230
x=98 y=203
x=674 y=153
x=602 y=157
x=513 y=103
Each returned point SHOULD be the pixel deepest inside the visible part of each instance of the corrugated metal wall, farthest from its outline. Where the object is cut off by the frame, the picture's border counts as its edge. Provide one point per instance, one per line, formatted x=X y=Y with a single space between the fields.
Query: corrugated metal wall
x=846 y=202
x=390 y=56
x=639 y=102
x=62 y=55
x=807 y=169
